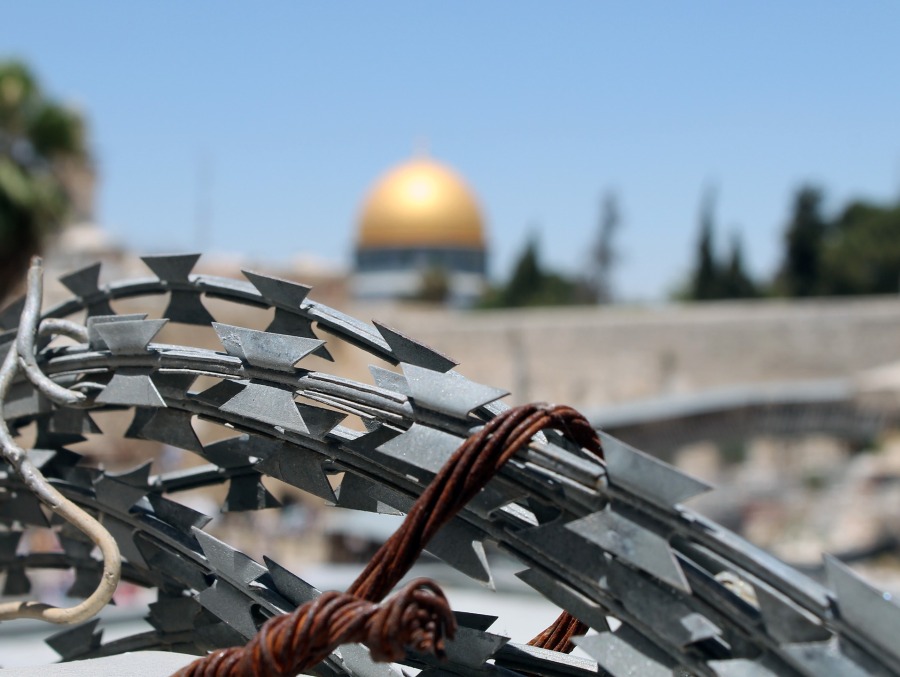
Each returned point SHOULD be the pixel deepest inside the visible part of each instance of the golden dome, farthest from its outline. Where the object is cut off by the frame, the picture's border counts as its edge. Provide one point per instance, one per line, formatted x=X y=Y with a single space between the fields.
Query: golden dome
x=420 y=204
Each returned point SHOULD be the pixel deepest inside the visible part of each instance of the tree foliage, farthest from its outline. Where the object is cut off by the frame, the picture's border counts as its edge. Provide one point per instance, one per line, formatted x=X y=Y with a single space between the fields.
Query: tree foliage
x=714 y=277
x=37 y=137
x=801 y=273
x=531 y=285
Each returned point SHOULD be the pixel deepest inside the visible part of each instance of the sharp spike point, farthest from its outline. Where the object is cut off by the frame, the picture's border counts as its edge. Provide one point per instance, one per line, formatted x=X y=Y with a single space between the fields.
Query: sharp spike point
x=650 y=478
x=231 y=563
x=248 y=493
x=169 y=426
x=171 y=267
x=73 y=642
x=300 y=468
x=83 y=282
x=129 y=337
x=420 y=448
x=389 y=380
x=411 y=351
x=285 y=322
x=264 y=349
x=870 y=611
x=632 y=543
x=131 y=389
x=278 y=292
x=186 y=307
x=274 y=406
x=450 y=393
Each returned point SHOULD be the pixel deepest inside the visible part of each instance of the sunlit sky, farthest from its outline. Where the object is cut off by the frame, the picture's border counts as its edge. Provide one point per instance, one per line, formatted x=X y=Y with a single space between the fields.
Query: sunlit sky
x=296 y=108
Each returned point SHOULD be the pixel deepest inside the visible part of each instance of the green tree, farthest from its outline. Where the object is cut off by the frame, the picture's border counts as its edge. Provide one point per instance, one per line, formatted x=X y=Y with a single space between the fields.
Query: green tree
x=531 y=285
x=801 y=271
x=706 y=281
x=736 y=282
x=38 y=139
x=862 y=252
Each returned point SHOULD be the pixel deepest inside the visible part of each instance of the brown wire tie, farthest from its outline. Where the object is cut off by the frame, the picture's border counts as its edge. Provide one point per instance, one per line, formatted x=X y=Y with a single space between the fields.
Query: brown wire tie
x=419 y=616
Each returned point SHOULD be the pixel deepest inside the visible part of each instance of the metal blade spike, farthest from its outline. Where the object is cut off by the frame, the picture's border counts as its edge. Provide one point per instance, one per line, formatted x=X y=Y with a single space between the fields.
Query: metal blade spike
x=177 y=514
x=220 y=393
x=136 y=477
x=825 y=659
x=460 y=546
x=125 y=535
x=420 y=448
x=75 y=641
x=406 y=349
x=472 y=648
x=264 y=349
x=267 y=404
x=289 y=585
x=86 y=581
x=300 y=468
x=177 y=568
x=17 y=582
x=76 y=550
x=566 y=598
x=475 y=621
x=785 y=621
x=457 y=543
x=129 y=337
x=174 y=385
x=214 y=636
x=231 y=605
x=186 y=307
x=72 y=421
x=24 y=507
x=632 y=543
x=285 y=322
x=173 y=614
x=131 y=388
x=450 y=393
x=9 y=542
x=356 y=493
x=625 y=653
x=389 y=380
x=9 y=317
x=242 y=450
x=248 y=493
x=84 y=282
x=171 y=267
x=278 y=292
x=52 y=462
x=231 y=563
x=169 y=426
x=120 y=493
x=95 y=340
x=868 y=610
x=318 y=420
x=23 y=400
x=650 y=478
x=675 y=621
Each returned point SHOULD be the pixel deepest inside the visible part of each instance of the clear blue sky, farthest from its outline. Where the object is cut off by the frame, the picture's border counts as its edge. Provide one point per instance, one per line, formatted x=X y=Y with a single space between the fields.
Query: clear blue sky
x=542 y=106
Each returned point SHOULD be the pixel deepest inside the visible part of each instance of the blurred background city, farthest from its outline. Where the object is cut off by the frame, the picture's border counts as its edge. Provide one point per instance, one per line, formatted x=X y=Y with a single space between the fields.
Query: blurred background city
x=682 y=220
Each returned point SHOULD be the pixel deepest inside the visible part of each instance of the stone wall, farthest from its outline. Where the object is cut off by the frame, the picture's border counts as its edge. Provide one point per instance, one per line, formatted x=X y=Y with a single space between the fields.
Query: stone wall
x=593 y=356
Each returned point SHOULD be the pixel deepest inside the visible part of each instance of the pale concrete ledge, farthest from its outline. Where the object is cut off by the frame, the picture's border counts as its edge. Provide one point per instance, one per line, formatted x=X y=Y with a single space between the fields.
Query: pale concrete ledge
x=137 y=664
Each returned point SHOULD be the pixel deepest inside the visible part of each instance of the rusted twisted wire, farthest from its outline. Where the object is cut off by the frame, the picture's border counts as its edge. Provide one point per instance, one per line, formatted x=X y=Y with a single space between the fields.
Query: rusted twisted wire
x=285 y=645
x=419 y=617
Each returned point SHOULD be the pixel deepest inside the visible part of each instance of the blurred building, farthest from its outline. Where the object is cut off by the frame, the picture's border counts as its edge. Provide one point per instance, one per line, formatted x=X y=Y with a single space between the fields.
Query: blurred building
x=420 y=236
